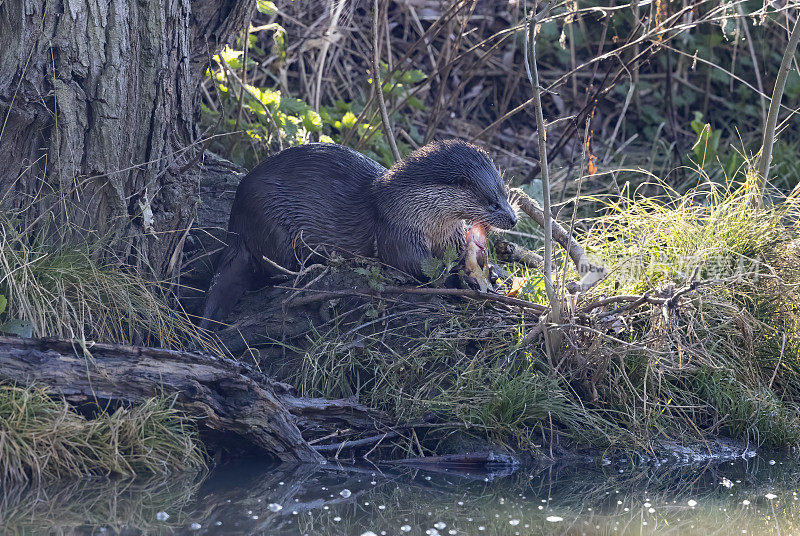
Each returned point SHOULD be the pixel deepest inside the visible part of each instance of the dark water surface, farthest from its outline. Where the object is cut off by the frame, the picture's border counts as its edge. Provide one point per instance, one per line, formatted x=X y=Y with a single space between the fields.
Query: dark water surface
x=757 y=496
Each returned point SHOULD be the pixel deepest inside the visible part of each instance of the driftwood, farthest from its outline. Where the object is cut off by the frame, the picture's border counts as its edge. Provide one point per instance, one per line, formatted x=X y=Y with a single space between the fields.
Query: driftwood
x=235 y=406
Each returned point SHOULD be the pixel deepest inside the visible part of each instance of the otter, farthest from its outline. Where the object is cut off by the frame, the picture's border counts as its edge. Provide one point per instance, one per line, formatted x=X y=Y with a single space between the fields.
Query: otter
x=327 y=196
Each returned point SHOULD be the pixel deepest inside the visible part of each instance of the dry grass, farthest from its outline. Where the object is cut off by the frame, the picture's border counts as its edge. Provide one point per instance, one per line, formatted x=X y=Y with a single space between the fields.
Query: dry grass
x=61 y=290
x=721 y=360
x=43 y=438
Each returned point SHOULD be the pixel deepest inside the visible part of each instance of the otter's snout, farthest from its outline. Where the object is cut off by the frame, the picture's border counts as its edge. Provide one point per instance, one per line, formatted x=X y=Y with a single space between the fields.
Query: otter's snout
x=503 y=217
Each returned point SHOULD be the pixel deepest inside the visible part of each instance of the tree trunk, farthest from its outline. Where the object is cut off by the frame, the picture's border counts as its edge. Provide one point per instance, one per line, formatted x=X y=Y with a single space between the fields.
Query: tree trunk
x=98 y=116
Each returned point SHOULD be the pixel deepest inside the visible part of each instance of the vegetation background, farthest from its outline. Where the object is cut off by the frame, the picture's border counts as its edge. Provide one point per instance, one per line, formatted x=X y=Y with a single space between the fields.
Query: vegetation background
x=655 y=115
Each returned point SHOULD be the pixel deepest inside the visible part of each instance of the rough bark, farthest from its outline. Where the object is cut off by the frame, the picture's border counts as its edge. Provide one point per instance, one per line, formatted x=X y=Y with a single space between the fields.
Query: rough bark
x=98 y=108
x=235 y=406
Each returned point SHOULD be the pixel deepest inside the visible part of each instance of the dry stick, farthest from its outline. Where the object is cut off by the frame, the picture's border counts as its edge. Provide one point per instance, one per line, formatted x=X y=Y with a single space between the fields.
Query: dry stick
x=755 y=65
x=514 y=253
x=376 y=80
x=554 y=342
x=355 y=443
x=336 y=12
x=591 y=273
x=772 y=117
x=466 y=293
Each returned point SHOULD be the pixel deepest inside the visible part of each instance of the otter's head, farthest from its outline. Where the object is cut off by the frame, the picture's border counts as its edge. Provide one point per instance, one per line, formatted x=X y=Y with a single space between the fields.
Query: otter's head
x=454 y=180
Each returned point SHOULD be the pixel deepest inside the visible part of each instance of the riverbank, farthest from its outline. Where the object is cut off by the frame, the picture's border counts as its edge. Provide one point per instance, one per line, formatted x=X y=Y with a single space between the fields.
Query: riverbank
x=691 y=337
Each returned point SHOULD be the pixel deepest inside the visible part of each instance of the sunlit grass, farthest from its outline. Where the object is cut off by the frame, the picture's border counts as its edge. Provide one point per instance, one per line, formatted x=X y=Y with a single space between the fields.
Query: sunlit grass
x=43 y=437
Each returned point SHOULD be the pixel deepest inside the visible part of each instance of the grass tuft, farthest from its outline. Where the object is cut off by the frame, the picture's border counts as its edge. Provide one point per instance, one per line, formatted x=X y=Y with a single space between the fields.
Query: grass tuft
x=724 y=360
x=65 y=292
x=42 y=438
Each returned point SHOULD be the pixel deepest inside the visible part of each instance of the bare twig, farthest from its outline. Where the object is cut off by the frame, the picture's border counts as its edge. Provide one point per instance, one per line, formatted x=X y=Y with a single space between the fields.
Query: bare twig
x=590 y=273
x=533 y=76
x=510 y=252
x=336 y=12
x=465 y=293
x=376 y=80
x=774 y=107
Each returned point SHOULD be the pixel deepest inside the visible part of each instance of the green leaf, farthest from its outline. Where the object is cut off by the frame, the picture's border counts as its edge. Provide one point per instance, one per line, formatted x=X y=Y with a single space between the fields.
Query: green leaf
x=230 y=56
x=450 y=256
x=266 y=7
x=312 y=121
x=293 y=106
x=432 y=267
x=349 y=120
x=3 y=303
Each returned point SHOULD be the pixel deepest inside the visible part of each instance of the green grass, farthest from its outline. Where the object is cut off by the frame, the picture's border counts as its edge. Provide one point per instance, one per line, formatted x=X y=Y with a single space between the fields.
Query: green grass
x=43 y=437
x=726 y=361
x=63 y=291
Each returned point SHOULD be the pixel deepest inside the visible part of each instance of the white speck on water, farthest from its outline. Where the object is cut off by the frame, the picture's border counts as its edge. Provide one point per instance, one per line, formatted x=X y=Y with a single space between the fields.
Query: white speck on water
x=481 y=528
x=249 y=512
x=337 y=519
x=218 y=523
x=440 y=525
x=770 y=496
x=651 y=510
x=405 y=528
x=727 y=483
x=432 y=532
x=254 y=517
x=427 y=477
x=382 y=507
x=745 y=502
x=272 y=507
x=195 y=526
x=647 y=505
x=692 y=503
x=294 y=512
x=162 y=516
x=280 y=483
x=513 y=522
x=772 y=462
x=554 y=519
x=368 y=533
x=345 y=493
x=460 y=503
x=541 y=507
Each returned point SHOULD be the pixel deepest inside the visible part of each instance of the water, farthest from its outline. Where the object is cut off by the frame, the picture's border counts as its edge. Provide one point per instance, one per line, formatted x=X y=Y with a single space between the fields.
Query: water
x=757 y=497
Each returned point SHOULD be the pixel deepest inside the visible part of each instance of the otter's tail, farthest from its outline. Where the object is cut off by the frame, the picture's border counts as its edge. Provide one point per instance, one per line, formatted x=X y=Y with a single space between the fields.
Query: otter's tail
x=234 y=275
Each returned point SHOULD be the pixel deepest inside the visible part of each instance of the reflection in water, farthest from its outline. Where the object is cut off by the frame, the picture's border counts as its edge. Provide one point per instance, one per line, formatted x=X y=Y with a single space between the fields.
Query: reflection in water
x=744 y=497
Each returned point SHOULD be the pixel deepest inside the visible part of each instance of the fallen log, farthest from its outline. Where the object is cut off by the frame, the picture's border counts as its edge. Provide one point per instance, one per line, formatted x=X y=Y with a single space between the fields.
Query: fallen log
x=235 y=406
